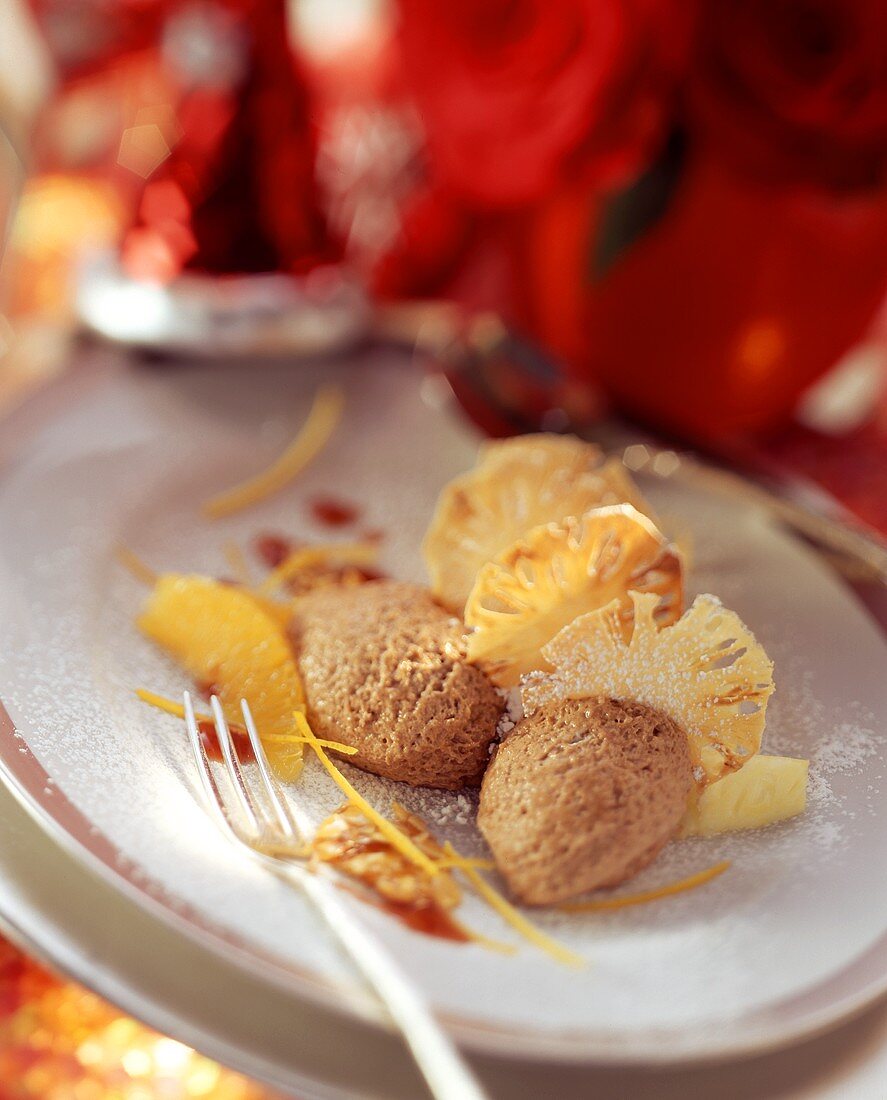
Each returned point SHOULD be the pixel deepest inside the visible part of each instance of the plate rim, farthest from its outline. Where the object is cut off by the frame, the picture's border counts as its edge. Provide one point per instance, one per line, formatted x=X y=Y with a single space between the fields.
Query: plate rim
x=75 y=939
x=664 y=1048
x=67 y=956
x=94 y=851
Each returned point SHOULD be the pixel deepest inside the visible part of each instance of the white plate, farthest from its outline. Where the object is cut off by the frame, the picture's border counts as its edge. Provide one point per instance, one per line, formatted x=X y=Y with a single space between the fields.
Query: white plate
x=768 y=952
x=90 y=930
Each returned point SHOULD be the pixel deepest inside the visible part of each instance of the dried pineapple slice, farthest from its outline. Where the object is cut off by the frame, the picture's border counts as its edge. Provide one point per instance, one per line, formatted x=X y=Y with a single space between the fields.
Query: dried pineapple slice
x=565 y=450
x=562 y=449
x=223 y=636
x=765 y=790
x=517 y=484
x=706 y=671
x=560 y=571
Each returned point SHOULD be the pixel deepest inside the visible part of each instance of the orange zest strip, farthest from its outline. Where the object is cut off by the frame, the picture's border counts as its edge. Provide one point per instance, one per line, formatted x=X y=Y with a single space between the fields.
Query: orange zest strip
x=388 y=829
x=451 y=860
x=134 y=565
x=517 y=921
x=688 y=883
x=346 y=553
x=178 y=711
x=167 y=705
x=294 y=739
x=321 y=423
x=484 y=941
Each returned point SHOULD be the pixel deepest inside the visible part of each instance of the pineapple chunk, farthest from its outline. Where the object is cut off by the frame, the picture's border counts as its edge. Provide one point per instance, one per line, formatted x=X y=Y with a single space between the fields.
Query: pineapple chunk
x=765 y=790
x=224 y=637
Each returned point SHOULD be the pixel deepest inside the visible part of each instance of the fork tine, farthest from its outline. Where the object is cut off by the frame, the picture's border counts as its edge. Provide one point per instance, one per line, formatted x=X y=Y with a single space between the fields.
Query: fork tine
x=290 y=829
x=232 y=765
x=207 y=779
x=447 y=1075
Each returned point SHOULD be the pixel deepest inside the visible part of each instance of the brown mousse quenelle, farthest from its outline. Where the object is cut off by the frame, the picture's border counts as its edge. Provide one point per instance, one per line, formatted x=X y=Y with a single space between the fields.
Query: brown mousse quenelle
x=583 y=794
x=385 y=671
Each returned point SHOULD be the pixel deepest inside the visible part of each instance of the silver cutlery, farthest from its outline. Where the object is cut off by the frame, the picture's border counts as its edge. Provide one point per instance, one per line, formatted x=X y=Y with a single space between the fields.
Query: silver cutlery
x=254 y=811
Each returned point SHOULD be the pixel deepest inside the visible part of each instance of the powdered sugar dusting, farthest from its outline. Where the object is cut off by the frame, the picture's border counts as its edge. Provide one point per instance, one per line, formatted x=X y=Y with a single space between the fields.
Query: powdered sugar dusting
x=706 y=671
x=849 y=750
x=71 y=659
x=512 y=713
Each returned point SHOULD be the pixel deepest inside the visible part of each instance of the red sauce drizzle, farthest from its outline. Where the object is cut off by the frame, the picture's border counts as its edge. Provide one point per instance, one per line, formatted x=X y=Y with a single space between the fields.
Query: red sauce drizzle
x=207 y=688
x=243 y=748
x=273 y=549
x=367 y=573
x=432 y=920
x=332 y=512
x=373 y=534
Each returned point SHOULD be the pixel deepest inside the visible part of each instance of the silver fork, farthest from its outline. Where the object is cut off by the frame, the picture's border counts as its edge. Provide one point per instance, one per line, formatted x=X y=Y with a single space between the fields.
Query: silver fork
x=258 y=816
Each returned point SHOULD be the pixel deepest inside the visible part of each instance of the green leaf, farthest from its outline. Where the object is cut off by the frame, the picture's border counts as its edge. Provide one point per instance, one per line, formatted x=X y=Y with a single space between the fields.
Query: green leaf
x=634 y=210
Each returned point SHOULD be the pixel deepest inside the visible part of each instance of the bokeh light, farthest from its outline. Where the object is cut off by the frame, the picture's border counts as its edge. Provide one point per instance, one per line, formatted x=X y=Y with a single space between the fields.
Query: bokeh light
x=60 y=1042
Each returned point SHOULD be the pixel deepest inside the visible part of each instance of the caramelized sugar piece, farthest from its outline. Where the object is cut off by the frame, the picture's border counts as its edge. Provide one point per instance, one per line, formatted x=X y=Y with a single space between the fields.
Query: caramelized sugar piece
x=560 y=571
x=706 y=671
x=356 y=847
x=517 y=484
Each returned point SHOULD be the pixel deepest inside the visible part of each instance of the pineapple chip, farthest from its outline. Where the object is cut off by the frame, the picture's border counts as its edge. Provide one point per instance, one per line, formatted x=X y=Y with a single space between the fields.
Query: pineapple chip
x=706 y=672
x=560 y=571
x=517 y=484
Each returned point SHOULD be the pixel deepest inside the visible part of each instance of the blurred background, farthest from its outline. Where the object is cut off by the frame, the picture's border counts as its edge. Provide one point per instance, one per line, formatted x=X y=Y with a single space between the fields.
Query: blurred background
x=667 y=213
x=674 y=211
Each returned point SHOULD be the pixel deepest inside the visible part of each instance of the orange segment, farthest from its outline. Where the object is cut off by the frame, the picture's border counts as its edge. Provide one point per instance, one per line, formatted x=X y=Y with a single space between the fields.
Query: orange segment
x=222 y=636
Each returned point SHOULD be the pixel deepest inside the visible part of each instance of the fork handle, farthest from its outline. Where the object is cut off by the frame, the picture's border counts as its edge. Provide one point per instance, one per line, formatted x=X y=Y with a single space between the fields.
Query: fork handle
x=446 y=1072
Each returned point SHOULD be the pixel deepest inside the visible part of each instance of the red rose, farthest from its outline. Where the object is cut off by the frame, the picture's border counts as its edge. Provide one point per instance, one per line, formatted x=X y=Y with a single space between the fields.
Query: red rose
x=435 y=234
x=517 y=94
x=796 y=88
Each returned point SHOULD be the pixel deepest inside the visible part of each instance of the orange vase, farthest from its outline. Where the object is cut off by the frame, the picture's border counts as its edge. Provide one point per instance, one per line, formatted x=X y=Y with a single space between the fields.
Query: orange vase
x=716 y=319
